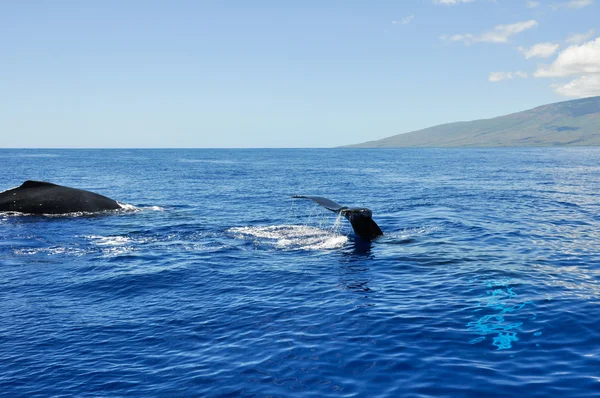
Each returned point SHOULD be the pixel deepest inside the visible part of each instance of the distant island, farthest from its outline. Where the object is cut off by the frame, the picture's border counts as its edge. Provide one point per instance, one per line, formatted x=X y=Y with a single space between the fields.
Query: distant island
x=569 y=123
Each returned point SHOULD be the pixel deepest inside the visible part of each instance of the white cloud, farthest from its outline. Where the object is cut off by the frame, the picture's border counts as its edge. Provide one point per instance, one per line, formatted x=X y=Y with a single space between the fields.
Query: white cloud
x=500 y=33
x=540 y=50
x=577 y=38
x=574 y=60
x=533 y=4
x=451 y=2
x=404 y=21
x=582 y=61
x=499 y=76
x=585 y=86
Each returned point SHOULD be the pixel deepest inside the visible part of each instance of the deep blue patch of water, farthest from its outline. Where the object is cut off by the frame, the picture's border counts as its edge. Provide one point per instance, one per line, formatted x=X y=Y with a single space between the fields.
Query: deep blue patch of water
x=487 y=282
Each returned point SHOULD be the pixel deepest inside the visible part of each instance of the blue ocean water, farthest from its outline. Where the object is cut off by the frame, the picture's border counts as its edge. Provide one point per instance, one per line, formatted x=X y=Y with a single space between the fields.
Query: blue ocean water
x=214 y=282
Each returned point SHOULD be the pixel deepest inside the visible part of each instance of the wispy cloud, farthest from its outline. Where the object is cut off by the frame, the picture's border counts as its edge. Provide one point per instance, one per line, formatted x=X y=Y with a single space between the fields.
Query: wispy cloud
x=540 y=50
x=500 y=33
x=532 y=4
x=404 y=21
x=499 y=76
x=451 y=2
x=579 y=3
x=572 y=4
x=577 y=38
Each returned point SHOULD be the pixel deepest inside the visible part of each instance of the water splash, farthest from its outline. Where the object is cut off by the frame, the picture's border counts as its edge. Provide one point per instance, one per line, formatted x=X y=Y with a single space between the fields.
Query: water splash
x=337 y=225
x=292 y=237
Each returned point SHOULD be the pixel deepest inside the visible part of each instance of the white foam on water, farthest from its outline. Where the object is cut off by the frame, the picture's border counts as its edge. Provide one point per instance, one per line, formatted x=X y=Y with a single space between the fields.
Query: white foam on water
x=6 y=214
x=110 y=240
x=113 y=246
x=292 y=237
x=50 y=251
x=117 y=251
x=127 y=207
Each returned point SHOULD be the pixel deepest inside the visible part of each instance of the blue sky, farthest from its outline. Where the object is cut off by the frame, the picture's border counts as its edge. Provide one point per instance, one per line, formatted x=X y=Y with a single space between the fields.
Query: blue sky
x=281 y=73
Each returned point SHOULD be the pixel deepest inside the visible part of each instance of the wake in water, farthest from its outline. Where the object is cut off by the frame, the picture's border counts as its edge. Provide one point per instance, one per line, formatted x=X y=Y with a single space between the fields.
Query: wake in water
x=291 y=237
x=125 y=209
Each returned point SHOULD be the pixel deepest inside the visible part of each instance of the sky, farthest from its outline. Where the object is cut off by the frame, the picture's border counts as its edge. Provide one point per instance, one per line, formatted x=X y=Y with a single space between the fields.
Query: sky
x=271 y=73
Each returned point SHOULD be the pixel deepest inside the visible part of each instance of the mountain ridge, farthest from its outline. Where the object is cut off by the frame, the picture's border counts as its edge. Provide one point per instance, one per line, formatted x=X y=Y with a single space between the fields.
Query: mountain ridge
x=566 y=123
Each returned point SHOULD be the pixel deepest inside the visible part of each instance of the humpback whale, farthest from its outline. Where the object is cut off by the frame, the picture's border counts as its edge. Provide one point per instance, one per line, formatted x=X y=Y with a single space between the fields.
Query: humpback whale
x=359 y=217
x=38 y=197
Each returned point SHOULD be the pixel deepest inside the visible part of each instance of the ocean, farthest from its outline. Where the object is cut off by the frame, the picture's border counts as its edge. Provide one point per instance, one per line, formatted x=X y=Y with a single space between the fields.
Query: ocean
x=214 y=282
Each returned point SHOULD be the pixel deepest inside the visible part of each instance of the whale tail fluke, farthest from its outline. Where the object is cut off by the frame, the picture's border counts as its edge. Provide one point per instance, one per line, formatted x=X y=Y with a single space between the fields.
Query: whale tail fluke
x=360 y=218
x=326 y=203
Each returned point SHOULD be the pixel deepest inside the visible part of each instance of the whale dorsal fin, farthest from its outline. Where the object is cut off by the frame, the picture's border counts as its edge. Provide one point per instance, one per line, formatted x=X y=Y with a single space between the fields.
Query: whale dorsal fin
x=36 y=184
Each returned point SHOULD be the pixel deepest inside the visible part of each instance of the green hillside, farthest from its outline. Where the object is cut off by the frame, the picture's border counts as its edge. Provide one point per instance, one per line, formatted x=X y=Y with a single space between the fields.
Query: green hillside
x=569 y=123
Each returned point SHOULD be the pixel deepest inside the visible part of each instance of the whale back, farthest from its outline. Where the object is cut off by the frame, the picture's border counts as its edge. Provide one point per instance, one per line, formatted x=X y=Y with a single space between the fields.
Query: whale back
x=37 y=184
x=39 y=197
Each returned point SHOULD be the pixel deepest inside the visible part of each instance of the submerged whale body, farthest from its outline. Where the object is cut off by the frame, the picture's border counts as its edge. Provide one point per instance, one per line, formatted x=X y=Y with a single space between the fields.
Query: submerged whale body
x=38 y=197
x=360 y=218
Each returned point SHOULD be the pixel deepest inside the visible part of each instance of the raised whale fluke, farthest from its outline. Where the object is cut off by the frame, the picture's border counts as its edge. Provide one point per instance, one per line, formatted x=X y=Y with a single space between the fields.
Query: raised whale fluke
x=360 y=218
x=38 y=197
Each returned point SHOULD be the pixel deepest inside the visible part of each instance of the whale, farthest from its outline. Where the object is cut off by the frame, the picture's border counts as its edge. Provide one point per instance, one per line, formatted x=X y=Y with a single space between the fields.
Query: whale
x=39 y=197
x=360 y=218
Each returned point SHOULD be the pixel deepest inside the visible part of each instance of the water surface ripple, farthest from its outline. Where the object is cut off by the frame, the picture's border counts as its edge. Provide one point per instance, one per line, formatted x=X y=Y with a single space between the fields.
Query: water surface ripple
x=486 y=283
